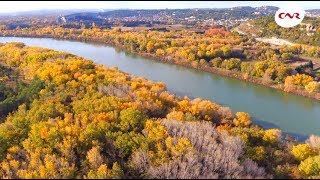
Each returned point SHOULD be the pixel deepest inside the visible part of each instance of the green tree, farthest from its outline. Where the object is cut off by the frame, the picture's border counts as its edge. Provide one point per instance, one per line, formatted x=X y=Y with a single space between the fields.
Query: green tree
x=132 y=120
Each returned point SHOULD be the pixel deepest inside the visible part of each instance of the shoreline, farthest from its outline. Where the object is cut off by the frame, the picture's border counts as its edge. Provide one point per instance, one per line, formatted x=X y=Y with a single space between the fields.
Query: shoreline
x=213 y=70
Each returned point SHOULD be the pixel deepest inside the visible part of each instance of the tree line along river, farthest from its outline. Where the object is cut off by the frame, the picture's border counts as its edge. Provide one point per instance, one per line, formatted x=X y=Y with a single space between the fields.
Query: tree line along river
x=296 y=115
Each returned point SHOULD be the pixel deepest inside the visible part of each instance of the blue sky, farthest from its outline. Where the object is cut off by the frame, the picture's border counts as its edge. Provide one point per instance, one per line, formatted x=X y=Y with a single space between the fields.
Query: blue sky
x=17 y=6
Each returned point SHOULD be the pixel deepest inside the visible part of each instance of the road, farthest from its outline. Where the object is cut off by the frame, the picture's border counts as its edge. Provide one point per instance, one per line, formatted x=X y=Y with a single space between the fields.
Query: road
x=273 y=40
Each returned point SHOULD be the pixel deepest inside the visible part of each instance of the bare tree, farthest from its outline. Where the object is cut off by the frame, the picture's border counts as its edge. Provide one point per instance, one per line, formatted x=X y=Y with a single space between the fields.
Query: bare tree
x=214 y=155
x=314 y=141
x=117 y=90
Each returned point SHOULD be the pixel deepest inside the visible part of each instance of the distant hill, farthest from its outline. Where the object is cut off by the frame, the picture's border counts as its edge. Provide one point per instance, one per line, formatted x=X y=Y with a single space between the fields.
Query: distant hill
x=307 y=32
x=49 y=12
x=313 y=12
x=176 y=15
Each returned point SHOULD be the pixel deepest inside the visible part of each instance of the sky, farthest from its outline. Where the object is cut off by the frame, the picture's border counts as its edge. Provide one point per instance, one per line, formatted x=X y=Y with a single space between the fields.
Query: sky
x=19 y=6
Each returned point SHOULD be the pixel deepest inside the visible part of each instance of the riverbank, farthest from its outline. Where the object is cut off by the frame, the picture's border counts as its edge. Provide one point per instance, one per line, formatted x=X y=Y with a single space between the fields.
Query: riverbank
x=218 y=71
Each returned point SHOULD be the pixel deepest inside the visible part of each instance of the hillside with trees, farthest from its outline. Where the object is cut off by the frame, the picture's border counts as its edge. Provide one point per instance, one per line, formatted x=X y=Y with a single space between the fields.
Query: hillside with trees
x=307 y=32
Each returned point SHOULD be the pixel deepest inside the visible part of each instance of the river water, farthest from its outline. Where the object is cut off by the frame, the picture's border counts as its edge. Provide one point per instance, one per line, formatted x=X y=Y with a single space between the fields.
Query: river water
x=295 y=115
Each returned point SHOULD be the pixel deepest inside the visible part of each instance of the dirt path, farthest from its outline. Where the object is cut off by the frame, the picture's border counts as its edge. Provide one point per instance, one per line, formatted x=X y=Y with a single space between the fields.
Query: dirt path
x=275 y=41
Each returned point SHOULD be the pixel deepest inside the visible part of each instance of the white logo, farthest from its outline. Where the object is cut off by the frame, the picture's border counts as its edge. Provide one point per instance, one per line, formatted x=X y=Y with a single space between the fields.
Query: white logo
x=289 y=16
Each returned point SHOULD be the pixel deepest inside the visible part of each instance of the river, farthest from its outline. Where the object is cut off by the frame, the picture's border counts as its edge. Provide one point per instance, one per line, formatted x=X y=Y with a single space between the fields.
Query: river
x=295 y=115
